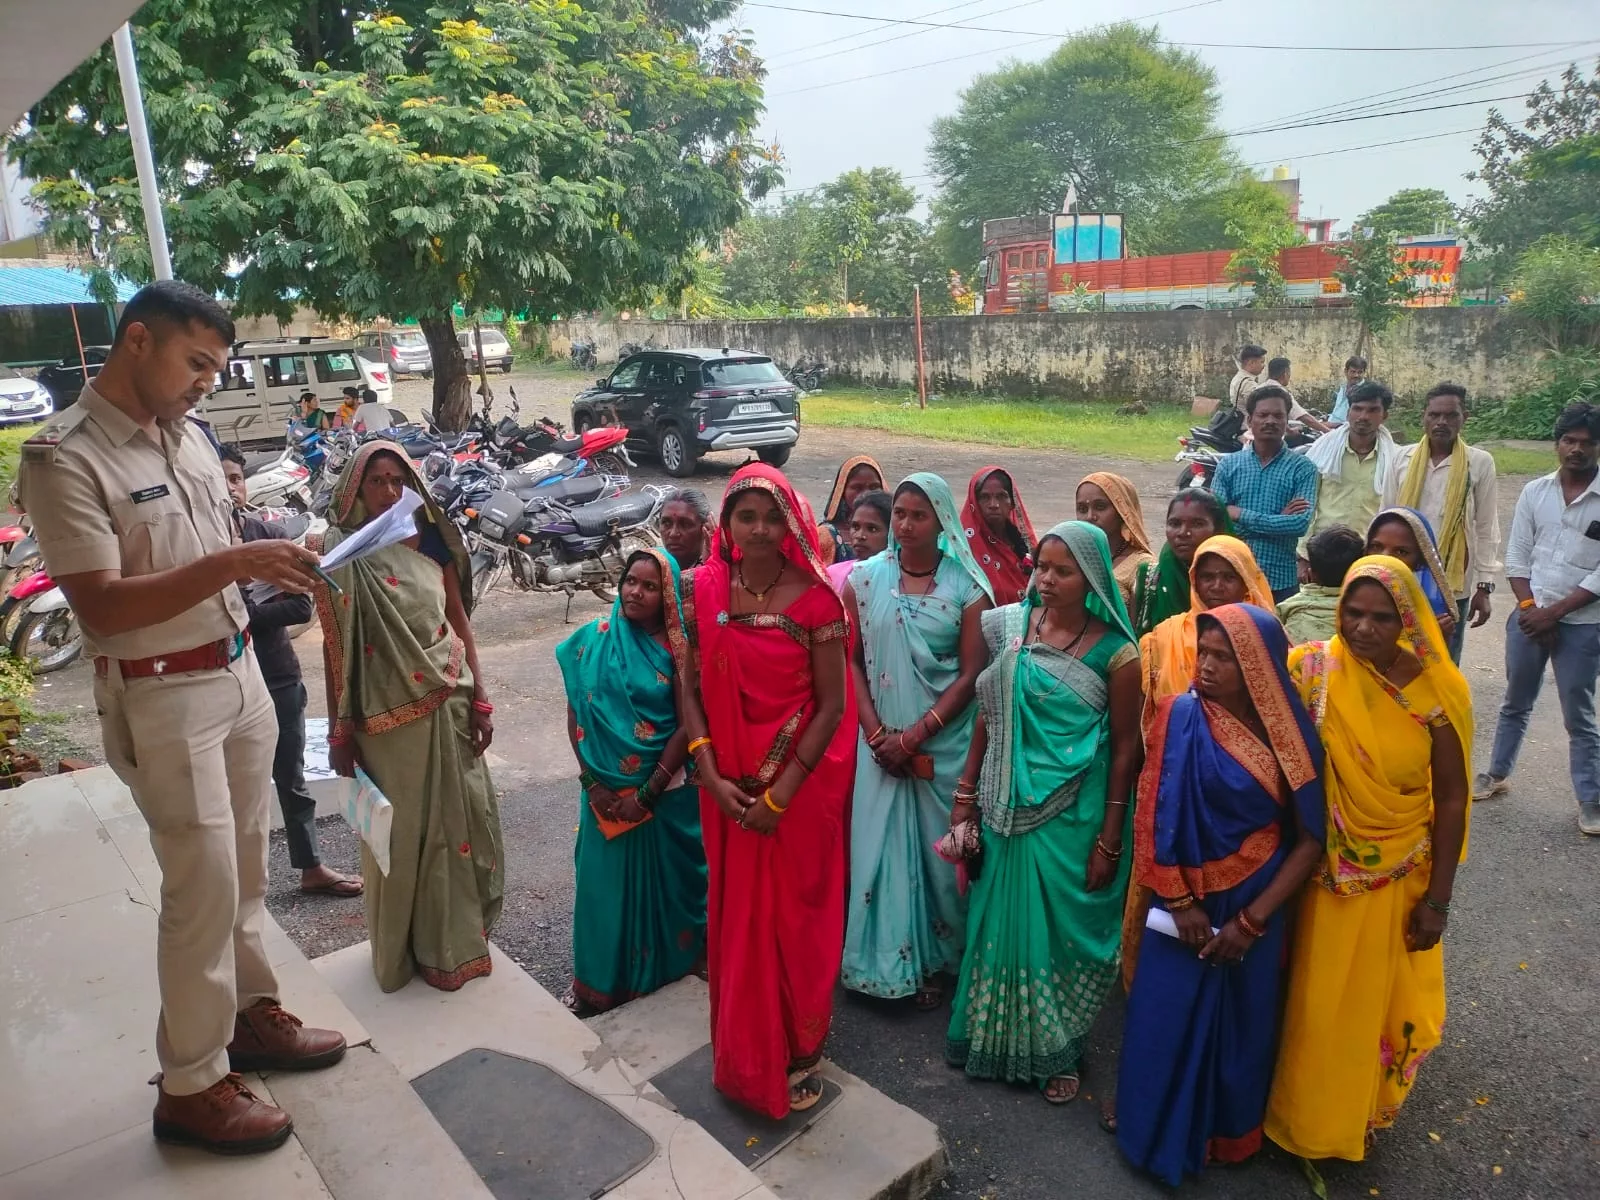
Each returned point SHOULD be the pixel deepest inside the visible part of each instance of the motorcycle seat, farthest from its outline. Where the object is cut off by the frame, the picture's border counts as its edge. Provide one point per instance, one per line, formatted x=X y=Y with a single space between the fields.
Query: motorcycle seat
x=581 y=490
x=598 y=519
x=566 y=445
x=260 y=460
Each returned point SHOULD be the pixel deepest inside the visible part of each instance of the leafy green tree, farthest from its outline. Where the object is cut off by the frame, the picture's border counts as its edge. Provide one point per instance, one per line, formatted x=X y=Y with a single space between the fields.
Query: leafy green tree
x=528 y=155
x=856 y=241
x=1256 y=262
x=1126 y=121
x=1378 y=280
x=1246 y=211
x=1553 y=293
x=1411 y=211
x=1541 y=175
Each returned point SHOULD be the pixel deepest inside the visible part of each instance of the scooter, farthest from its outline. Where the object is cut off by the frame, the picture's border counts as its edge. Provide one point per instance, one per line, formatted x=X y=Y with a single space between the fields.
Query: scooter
x=48 y=636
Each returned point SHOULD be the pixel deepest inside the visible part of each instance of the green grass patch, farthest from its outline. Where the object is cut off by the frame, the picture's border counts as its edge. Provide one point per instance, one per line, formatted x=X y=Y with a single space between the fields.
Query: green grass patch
x=1084 y=428
x=1517 y=460
x=11 y=439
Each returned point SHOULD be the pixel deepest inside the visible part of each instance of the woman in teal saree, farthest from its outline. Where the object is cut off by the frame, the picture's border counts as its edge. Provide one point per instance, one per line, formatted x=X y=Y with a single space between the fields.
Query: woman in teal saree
x=915 y=666
x=639 y=912
x=1058 y=744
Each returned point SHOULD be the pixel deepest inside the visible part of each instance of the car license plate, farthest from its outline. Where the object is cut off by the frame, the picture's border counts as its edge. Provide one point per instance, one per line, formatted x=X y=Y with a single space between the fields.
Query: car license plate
x=753 y=407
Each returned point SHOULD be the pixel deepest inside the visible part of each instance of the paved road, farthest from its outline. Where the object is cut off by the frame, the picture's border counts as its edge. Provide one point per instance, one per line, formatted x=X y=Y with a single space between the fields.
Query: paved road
x=1515 y=1085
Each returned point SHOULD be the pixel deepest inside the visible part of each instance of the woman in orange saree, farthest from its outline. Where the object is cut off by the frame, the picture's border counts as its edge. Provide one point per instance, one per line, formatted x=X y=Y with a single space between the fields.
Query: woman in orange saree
x=1366 y=968
x=772 y=729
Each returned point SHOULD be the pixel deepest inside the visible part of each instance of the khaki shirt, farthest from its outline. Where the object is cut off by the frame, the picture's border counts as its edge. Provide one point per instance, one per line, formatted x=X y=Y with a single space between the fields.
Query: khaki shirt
x=103 y=496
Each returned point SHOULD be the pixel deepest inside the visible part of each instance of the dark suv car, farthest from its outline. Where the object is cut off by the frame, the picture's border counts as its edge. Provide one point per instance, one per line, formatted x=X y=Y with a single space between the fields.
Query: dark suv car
x=680 y=404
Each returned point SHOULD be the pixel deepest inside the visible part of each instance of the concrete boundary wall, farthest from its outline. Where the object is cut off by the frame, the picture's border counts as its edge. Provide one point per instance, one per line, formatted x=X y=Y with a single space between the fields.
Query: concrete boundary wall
x=1150 y=356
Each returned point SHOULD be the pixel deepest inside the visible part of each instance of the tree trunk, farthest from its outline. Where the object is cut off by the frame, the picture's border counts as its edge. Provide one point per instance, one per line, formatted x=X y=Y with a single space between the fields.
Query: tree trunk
x=452 y=386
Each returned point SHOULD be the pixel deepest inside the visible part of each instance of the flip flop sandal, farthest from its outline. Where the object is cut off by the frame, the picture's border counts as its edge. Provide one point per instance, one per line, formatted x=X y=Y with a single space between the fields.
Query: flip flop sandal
x=805 y=1094
x=1108 y=1121
x=1063 y=1079
x=343 y=889
x=928 y=999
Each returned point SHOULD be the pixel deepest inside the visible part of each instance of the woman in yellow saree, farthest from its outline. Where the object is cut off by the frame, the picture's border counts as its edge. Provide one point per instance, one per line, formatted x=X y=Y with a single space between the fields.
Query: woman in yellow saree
x=1223 y=572
x=1366 y=973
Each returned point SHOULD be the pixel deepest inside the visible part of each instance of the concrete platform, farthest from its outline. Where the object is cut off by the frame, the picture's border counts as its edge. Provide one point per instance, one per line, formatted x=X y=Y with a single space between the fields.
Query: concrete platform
x=866 y=1147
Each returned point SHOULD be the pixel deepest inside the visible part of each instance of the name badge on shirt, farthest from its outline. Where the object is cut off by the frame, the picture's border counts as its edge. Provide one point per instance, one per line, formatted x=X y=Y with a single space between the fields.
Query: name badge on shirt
x=150 y=493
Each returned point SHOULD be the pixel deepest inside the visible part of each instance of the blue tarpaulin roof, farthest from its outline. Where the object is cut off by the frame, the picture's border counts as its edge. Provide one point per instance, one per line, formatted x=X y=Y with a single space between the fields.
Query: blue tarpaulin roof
x=21 y=287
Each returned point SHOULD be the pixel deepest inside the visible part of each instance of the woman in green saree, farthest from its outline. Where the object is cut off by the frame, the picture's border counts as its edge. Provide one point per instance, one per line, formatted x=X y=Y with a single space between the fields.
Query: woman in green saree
x=406 y=703
x=1058 y=745
x=639 y=912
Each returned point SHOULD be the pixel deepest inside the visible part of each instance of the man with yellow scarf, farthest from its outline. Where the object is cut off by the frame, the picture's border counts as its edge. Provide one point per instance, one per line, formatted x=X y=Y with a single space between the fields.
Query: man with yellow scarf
x=1453 y=485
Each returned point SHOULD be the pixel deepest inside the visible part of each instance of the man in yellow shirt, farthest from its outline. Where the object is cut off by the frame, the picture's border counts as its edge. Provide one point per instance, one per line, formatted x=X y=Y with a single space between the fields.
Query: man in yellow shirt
x=1353 y=460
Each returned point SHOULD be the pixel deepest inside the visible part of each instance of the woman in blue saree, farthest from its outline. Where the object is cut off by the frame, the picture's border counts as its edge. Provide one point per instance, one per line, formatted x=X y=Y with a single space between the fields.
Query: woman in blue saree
x=915 y=667
x=1404 y=533
x=1229 y=825
x=1057 y=740
x=639 y=918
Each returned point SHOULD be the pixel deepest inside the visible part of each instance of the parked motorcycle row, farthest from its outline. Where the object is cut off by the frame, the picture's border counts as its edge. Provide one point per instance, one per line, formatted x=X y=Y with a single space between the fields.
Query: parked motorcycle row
x=547 y=511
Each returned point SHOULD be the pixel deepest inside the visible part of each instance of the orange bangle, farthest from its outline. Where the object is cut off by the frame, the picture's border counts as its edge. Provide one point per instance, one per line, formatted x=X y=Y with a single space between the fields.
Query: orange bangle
x=1528 y=603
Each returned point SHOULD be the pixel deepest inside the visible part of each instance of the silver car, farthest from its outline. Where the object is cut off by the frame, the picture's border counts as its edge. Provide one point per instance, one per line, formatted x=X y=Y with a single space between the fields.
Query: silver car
x=21 y=399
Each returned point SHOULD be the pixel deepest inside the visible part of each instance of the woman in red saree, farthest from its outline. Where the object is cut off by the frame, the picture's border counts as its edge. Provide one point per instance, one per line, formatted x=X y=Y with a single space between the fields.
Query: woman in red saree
x=772 y=729
x=999 y=533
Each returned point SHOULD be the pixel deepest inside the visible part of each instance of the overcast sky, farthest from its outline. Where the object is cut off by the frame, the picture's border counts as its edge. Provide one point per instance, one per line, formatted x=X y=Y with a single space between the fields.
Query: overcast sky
x=883 y=120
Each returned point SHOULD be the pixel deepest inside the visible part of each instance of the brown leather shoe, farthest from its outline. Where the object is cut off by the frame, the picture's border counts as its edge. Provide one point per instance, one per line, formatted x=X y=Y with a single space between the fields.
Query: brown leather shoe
x=226 y=1118
x=266 y=1038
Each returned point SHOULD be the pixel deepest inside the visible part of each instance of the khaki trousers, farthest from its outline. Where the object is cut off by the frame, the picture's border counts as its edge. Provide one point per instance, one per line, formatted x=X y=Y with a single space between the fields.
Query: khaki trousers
x=196 y=751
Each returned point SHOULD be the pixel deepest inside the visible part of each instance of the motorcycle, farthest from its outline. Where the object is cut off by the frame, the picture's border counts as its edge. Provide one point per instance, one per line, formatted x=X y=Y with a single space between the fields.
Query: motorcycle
x=47 y=634
x=584 y=357
x=548 y=544
x=807 y=375
x=21 y=556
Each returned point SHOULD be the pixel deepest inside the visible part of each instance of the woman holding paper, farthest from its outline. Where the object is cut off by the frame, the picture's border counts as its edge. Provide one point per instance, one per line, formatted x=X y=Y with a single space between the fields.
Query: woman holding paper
x=1366 y=968
x=1228 y=826
x=639 y=913
x=915 y=667
x=1054 y=756
x=406 y=703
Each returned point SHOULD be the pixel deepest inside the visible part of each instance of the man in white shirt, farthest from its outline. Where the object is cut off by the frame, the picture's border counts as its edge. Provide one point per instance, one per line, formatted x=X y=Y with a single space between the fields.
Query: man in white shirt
x=1461 y=478
x=1553 y=567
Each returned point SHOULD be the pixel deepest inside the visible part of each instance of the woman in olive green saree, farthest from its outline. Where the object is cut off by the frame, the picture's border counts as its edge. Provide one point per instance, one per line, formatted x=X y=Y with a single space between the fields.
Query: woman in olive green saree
x=406 y=703
x=1058 y=743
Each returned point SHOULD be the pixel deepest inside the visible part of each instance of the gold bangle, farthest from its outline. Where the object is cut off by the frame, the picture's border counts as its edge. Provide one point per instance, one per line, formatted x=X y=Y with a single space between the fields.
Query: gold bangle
x=1179 y=903
x=699 y=744
x=766 y=798
x=934 y=713
x=1528 y=603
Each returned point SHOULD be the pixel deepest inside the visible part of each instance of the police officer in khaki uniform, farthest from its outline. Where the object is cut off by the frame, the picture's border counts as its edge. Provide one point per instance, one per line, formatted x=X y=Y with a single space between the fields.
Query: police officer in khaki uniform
x=128 y=503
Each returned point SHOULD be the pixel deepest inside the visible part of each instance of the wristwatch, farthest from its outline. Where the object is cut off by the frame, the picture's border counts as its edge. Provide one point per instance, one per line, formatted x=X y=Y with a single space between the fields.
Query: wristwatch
x=1486 y=587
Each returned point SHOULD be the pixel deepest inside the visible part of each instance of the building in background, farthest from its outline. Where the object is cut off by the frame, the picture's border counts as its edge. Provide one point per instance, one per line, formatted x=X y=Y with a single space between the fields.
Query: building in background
x=19 y=224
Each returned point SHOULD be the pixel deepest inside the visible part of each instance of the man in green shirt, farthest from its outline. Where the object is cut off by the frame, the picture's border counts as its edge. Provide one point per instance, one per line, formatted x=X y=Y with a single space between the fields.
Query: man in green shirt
x=1353 y=460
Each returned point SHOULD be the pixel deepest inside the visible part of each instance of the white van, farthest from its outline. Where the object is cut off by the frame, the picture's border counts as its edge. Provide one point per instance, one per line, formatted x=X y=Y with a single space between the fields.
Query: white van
x=259 y=393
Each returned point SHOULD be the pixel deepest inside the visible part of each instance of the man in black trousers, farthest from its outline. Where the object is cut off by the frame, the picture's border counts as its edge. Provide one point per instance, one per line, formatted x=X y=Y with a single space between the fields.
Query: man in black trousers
x=270 y=622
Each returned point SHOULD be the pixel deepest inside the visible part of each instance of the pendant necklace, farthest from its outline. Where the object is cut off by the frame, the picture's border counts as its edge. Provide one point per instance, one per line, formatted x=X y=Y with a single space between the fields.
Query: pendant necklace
x=761 y=596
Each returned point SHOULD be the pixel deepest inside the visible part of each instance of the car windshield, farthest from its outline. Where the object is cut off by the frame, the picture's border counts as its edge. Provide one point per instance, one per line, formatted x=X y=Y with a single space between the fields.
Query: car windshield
x=735 y=372
x=408 y=338
x=493 y=337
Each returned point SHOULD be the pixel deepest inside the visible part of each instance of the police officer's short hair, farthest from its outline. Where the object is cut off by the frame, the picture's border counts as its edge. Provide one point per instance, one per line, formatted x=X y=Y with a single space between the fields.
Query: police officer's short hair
x=173 y=302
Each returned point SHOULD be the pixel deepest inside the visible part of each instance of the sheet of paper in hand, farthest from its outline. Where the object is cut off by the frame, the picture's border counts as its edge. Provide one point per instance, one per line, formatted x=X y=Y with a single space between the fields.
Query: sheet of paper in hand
x=1161 y=921
x=396 y=525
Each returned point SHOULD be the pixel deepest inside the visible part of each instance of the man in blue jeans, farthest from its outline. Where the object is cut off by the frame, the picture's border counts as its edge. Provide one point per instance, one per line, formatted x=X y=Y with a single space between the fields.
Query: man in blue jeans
x=1553 y=565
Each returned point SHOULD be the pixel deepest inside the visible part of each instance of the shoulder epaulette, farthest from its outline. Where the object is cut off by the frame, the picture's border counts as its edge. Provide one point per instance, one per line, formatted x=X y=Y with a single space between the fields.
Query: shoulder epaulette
x=41 y=447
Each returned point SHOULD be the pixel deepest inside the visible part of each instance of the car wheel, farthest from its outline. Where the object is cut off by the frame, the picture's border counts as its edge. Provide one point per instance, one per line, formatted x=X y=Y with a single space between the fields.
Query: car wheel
x=581 y=424
x=774 y=456
x=676 y=453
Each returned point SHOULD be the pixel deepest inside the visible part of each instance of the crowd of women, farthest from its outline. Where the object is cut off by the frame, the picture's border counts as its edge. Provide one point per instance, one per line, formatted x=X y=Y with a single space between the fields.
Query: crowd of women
x=925 y=751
